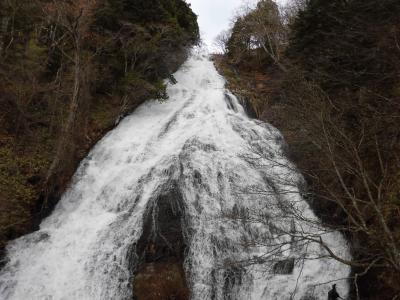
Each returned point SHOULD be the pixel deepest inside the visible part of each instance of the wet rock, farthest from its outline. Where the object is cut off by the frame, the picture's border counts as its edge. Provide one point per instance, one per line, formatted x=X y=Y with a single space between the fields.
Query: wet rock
x=172 y=79
x=229 y=102
x=233 y=277
x=161 y=249
x=284 y=266
x=197 y=177
x=248 y=107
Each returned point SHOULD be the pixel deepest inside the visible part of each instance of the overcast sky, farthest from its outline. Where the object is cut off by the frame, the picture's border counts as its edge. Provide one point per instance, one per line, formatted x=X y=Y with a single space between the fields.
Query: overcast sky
x=215 y=15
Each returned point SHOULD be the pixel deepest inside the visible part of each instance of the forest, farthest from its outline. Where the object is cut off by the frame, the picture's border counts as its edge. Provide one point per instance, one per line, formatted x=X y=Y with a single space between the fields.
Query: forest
x=69 y=71
x=326 y=73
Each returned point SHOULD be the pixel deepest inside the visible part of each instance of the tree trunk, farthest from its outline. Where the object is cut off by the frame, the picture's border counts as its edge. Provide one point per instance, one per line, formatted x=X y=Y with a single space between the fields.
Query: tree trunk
x=3 y=31
x=66 y=138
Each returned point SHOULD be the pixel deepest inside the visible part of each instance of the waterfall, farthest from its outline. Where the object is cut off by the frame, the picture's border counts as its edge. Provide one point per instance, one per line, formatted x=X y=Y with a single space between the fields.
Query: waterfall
x=197 y=174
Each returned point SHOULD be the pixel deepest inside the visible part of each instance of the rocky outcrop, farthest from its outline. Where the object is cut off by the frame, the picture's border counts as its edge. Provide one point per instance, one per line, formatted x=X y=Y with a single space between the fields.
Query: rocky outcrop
x=159 y=272
x=284 y=266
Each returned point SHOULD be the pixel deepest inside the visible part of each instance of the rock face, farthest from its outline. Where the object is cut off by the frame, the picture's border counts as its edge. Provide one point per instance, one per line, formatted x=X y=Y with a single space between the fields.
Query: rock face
x=284 y=266
x=161 y=248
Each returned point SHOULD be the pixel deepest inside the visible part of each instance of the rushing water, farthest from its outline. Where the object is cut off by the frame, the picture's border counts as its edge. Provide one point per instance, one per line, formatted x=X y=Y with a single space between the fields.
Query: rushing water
x=243 y=218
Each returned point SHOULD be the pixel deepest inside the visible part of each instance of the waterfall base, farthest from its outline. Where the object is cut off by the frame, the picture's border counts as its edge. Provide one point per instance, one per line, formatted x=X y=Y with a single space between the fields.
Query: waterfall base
x=161 y=280
x=161 y=249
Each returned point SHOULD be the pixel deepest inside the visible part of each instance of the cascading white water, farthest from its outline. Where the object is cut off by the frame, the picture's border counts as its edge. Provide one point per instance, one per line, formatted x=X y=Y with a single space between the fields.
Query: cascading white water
x=239 y=193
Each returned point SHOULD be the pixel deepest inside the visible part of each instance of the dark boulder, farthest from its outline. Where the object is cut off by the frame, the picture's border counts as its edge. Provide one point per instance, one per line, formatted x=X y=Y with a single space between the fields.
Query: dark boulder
x=284 y=266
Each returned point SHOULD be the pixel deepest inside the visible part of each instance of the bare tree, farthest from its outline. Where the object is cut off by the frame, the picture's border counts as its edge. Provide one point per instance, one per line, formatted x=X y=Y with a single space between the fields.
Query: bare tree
x=290 y=10
x=73 y=19
x=268 y=30
x=221 y=41
x=368 y=214
x=259 y=27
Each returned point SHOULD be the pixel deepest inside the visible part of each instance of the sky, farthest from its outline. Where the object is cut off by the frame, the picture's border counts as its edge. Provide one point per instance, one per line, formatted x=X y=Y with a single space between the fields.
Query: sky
x=216 y=15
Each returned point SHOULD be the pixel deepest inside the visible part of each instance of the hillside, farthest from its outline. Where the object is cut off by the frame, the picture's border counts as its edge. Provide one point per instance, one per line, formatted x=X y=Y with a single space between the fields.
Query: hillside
x=325 y=73
x=69 y=71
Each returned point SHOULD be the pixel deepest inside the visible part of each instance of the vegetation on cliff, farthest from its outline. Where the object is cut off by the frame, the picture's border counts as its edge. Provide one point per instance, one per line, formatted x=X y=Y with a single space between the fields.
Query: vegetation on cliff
x=69 y=70
x=327 y=76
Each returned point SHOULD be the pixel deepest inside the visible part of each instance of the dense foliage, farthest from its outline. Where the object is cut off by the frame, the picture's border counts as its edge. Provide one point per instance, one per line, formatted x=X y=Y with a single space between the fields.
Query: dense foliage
x=337 y=101
x=69 y=70
x=348 y=52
